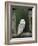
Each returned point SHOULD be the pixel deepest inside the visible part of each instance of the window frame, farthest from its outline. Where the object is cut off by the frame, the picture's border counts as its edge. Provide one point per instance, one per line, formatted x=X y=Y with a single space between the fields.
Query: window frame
x=7 y=23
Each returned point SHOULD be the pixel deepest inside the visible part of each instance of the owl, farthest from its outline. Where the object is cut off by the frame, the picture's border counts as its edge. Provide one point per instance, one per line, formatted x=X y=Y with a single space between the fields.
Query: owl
x=21 y=26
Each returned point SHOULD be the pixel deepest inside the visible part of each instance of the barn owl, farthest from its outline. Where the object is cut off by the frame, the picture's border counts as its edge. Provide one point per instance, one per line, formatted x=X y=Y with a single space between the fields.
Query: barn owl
x=21 y=26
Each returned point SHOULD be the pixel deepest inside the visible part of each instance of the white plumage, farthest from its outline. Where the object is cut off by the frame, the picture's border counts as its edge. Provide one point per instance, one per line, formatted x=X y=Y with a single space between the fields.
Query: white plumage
x=21 y=26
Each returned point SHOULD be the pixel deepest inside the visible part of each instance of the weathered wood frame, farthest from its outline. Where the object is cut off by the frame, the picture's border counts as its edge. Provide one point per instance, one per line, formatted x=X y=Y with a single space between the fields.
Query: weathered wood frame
x=7 y=20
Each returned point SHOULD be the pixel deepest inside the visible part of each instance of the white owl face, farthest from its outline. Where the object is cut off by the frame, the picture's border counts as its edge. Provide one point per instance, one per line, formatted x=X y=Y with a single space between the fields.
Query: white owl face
x=22 y=22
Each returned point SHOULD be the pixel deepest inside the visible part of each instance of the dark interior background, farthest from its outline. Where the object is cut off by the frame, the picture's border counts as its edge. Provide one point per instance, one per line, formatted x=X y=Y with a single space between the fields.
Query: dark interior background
x=22 y=13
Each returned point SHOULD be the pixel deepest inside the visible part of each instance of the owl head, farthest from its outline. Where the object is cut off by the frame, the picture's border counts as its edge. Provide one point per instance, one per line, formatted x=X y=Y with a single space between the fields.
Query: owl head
x=22 y=21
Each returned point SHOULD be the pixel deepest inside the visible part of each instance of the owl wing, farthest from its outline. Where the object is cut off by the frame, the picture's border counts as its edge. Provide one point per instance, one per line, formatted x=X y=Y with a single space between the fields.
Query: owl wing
x=20 y=28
